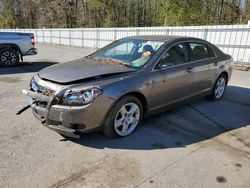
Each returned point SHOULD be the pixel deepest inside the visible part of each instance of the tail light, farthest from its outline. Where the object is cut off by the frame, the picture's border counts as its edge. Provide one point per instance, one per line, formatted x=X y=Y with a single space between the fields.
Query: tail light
x=33 y=42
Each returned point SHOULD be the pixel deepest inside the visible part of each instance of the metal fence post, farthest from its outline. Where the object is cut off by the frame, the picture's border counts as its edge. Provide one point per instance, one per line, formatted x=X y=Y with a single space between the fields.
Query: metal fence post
x=70 y=35
x=246 y=41
x=242 y=60
x=43 y=35
x=50 y=36
x=60 y=37
x=205 y=34
x=115 y=34
x=137 y=31
x=83 y=38
x=97 y=37
x=35 y=34
x=235 y=40
x=166 y=31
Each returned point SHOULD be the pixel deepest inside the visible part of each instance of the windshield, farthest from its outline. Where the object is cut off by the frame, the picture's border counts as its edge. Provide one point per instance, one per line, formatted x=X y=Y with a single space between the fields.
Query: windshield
x=130 y=52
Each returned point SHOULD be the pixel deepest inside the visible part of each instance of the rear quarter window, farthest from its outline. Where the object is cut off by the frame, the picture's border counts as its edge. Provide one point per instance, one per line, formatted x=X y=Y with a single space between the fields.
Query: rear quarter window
x=200 y=51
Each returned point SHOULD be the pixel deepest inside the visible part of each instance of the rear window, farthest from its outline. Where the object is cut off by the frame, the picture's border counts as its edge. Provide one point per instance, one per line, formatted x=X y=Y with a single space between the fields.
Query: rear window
x=200 y=51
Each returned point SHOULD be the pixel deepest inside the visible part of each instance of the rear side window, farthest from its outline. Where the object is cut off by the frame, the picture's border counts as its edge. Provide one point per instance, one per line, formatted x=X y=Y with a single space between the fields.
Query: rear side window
x=200 y=51
x=176 y=55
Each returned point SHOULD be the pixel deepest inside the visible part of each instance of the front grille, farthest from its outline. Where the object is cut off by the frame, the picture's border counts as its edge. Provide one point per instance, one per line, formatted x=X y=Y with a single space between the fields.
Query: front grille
x=46 y=91
x=36 y=87
x=41 y=104
x=41 y=89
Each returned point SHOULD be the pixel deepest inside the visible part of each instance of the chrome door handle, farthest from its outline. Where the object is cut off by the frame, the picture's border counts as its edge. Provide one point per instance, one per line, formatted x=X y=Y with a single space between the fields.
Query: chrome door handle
x=189 y=70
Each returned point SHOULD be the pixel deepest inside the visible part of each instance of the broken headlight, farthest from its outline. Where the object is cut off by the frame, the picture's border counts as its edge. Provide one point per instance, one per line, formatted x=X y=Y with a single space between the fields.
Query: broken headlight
x=33 y=84
x=83 y=97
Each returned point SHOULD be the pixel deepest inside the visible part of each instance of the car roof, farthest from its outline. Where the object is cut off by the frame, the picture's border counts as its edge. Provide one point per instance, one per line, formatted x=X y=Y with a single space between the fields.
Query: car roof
x=163 y=38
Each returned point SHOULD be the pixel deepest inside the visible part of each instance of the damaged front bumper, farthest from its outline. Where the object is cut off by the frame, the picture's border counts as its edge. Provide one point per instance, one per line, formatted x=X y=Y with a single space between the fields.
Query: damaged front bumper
x=68 y=120
x=41 y=113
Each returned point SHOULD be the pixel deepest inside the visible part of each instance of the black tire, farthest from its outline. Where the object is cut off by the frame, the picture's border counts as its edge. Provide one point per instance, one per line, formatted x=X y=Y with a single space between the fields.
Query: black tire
x=109 y=128
x=9 y=57
x=214 y=96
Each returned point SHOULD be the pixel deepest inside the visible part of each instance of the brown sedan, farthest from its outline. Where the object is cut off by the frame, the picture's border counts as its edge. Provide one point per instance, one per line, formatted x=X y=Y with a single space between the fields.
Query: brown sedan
x=114 y=88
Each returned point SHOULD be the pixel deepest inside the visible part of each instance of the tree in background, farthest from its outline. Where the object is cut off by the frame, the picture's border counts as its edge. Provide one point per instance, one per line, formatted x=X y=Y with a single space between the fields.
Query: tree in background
x=8 y=17
x=247 y=11
x=119 y=13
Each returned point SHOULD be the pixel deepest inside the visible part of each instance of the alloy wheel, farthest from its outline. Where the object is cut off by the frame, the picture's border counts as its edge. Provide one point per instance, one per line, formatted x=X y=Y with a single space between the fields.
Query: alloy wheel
x=220 y=87
x=127 y=119
x=8 y=58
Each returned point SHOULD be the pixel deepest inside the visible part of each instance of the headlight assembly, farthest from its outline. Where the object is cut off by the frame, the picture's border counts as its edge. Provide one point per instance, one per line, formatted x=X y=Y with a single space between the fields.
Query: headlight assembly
x=83 y=97
x=33 y=84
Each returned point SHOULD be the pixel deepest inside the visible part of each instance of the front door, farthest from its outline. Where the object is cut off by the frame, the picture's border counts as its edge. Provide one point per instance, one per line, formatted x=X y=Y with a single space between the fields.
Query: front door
x=172 y=77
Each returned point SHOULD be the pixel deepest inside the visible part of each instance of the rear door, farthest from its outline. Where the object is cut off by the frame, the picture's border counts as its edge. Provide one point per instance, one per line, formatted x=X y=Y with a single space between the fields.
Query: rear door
x=172 y=77
x=203 y=61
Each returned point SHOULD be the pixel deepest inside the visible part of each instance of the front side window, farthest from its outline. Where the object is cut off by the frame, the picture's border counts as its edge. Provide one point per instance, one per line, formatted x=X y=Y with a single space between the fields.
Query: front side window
x=131 y=52
x=176 y=55
x=200 y=51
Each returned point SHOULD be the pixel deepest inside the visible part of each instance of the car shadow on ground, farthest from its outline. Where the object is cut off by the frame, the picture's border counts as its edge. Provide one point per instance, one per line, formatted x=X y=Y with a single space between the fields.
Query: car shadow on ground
x=26 y=67
x=192 y=123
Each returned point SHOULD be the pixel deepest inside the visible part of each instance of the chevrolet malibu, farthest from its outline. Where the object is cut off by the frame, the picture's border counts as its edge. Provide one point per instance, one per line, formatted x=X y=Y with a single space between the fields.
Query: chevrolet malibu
x=115 y=88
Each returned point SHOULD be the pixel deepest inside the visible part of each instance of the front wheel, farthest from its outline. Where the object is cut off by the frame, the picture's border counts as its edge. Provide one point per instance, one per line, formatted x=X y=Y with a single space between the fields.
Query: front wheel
x=219 y=88
x=125 y=116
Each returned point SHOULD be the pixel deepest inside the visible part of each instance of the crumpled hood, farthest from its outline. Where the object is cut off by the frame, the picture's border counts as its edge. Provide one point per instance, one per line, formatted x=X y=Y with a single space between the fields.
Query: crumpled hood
x=80 y=69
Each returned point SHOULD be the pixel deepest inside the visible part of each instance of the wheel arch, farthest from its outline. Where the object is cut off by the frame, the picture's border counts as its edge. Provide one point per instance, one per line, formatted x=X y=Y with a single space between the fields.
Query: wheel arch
x=140 y=97
x=224 y=73
x=110 y=132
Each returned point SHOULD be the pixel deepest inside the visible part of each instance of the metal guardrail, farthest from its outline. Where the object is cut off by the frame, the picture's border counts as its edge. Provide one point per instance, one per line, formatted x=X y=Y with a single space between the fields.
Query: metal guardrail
x=232 y=39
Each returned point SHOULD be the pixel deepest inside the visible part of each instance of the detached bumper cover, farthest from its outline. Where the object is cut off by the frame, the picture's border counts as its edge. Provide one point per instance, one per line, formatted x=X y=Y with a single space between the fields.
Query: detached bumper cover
x=69 y=120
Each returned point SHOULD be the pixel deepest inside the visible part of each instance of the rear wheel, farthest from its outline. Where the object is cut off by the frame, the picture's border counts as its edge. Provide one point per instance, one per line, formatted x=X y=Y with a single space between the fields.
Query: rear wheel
x=219 y=88
x=123 y=119
x=8 y=57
